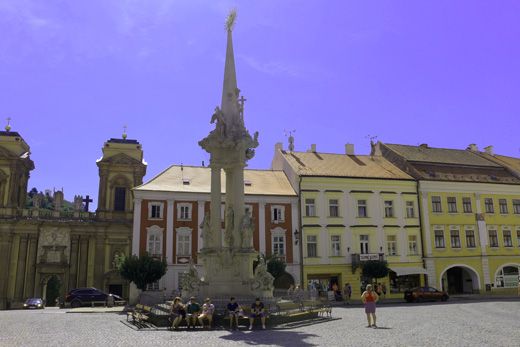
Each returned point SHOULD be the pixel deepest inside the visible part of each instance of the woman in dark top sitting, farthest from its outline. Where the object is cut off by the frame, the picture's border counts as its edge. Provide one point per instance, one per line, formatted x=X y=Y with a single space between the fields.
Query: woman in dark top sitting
x=257 y=311
x=234 y=310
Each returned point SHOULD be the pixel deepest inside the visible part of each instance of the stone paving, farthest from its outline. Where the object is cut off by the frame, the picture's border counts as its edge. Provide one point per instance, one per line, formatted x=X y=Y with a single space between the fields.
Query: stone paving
x=489 y=323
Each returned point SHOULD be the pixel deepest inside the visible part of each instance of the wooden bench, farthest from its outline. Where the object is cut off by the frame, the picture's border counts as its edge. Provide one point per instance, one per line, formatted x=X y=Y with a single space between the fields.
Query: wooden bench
x=319 y=307
x=289 y=308
x=140 y=314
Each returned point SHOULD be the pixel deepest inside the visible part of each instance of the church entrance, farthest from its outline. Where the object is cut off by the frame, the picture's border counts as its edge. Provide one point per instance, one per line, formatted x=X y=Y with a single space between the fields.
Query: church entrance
x=52 y=290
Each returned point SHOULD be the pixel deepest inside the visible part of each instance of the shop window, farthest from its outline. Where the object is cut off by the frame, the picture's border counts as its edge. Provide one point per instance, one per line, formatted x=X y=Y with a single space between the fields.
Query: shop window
x=399 y=284
x=507 y=277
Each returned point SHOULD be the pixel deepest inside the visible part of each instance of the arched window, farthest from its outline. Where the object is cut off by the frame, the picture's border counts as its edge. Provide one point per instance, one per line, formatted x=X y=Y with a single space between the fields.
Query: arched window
x=119 y=198
x=507 y=277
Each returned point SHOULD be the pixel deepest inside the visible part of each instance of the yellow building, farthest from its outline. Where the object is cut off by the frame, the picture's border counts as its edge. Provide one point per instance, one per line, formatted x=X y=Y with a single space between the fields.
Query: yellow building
x=470 y=206
x=354 y=208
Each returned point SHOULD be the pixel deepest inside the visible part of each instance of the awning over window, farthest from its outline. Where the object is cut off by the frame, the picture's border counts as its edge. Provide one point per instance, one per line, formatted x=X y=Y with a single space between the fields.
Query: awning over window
x=405 y=271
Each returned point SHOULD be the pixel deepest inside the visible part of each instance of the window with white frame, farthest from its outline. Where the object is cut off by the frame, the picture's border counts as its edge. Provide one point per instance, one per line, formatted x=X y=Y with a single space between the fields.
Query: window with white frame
x=410 y=209
x=436 y=204
x=452 y=204
x=363 y=244
x=184 y=211
x=516 y=206
x=333 y=208
x=508 y=241
x=335 y=242
x=362 y=208
x=155 y=210
x=183 y=242
x=389 y=208
x=278 y=242
x=488 y=204
x=502 y=206
x=466 y=205
x=152 y=287
x=391 y=244
x=154 y=243
x=507 y=277
x=493 y=238
x=470 y=238
x=412 y=245
x=439 y=238
x=310 y=208
x=312 y=246
x=277 y=213
x=455 y=238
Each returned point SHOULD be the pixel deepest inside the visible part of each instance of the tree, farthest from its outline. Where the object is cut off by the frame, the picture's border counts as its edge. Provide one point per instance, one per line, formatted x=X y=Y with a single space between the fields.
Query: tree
x=375 y=269
x=276 y=266
x=142 y=270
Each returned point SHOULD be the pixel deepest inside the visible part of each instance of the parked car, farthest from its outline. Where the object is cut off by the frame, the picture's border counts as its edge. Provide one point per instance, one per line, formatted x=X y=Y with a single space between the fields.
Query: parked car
x=34 y=303
x=425 y=294
x=87 y=296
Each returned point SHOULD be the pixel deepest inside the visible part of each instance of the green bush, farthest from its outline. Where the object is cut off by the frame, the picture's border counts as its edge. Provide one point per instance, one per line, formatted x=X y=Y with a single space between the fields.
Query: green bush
x=142 y=270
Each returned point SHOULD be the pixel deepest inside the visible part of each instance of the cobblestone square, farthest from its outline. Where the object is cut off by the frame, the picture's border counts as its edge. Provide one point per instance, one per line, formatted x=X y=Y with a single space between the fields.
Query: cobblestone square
x=490 y=323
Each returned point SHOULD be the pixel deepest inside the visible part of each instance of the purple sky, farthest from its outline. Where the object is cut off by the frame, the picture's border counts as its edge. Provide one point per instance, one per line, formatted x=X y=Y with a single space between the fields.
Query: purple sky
x=72 y=73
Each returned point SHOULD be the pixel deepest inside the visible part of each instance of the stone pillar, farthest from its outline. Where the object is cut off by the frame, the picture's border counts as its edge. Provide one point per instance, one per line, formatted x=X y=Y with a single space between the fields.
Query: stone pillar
x=216 y=200
x=5 y=249
x=13 y=266
x=31 y=266
x=261 y=225
x=99 y=263
x=22 y=261
x=136 y=239
x=238 y=202
x=82 y=262
x=90 y=261
x=73 y=265
x=170 y=214
x=201 y=214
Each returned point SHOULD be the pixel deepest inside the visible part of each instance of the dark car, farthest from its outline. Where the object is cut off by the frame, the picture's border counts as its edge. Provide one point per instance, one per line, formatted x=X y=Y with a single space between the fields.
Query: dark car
x=34 y=303
x=425 y=294
x=87 y=296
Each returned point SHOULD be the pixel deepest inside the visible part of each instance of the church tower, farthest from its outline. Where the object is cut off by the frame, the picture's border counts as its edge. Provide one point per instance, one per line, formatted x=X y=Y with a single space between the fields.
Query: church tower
x=15 y=166
x=121 y=168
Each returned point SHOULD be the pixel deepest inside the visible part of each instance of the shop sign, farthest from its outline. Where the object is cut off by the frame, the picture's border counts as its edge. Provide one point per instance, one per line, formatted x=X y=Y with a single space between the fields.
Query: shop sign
x=369 y=256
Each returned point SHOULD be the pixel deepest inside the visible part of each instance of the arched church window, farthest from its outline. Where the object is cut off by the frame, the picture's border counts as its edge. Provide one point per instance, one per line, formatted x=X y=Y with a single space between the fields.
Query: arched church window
x=119 y=198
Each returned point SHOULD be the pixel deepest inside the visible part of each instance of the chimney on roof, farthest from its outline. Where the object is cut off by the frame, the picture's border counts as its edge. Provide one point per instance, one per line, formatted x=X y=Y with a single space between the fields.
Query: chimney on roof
x=423 y=145
x=349 y=149
x=489 y=150
x=473 y=147
x=278 y=146
x=313 y=148
x=375 y=149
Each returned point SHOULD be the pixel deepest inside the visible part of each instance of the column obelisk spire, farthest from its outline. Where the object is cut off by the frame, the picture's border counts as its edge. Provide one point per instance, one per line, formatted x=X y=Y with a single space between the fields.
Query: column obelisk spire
x=230 y=91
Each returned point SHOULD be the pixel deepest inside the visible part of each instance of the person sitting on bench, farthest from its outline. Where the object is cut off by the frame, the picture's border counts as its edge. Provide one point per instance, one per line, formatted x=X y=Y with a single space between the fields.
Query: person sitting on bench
x=257 y=311
x=207 y=312
x=177 y=312
x=233 y=310
x=192 y=312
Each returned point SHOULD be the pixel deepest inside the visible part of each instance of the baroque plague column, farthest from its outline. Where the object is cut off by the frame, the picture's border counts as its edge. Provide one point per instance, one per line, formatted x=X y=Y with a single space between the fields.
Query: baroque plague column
x=228 y=254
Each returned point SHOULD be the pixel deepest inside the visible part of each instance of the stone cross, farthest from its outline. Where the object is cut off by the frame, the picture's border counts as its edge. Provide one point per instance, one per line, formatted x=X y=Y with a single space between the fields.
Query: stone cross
x=87 y=200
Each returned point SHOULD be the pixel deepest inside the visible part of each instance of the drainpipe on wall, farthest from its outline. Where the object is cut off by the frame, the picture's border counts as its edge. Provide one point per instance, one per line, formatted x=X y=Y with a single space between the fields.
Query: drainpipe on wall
x=419 y=210
x=303 y=286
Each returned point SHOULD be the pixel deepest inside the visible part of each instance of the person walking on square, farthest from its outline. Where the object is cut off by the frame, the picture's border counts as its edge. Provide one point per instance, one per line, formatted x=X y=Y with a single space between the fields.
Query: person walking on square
x=257 y=311
x=192 y=312
x=347 y=292
x=177 y=312
x=207 y=312
x=233 y=310
x=369 y=298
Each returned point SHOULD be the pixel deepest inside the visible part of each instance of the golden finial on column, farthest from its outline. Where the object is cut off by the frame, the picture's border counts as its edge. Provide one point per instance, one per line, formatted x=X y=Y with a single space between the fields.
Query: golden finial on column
x=124 y=132
x=230 y=20
x=8 y=126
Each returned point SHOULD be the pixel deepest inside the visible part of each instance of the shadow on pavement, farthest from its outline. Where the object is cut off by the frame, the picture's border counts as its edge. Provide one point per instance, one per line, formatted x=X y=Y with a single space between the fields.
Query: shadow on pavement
x=281 y=338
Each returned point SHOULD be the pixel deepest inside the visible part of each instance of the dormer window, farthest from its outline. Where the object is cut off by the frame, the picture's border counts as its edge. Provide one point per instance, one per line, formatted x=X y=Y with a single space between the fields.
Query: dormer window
x=186 y=181
x=248 y=183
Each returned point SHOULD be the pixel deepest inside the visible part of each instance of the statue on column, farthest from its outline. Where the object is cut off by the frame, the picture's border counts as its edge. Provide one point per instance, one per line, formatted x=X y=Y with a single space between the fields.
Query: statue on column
x=262 y=282
x=247 y=229
x=78 y=203
x=218 y=117
x=205 y=226
x=230 y=226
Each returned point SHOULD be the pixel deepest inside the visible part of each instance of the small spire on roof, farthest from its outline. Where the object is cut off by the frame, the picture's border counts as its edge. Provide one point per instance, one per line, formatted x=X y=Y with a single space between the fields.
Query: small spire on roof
x=8 y=126
x=124 y=132
x=290 y=138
